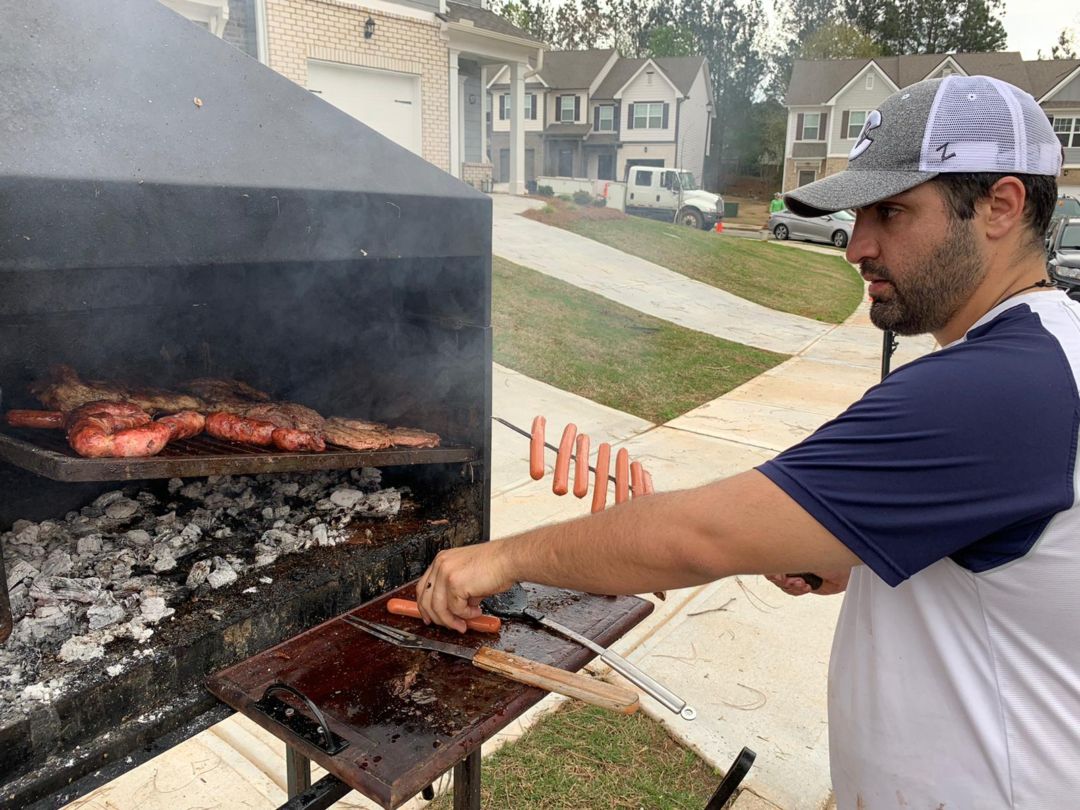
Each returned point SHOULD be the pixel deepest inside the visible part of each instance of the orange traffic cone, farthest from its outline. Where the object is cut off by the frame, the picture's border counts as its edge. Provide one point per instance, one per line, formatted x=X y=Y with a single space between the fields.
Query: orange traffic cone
x=719 y=226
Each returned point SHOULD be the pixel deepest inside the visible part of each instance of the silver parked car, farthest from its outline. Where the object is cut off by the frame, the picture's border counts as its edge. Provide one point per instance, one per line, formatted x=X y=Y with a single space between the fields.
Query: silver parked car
x=834 y=229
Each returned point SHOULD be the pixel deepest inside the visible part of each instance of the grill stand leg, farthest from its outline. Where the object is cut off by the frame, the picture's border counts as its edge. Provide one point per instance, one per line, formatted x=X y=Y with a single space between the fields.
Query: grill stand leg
x=297 y=772
x=467 y=782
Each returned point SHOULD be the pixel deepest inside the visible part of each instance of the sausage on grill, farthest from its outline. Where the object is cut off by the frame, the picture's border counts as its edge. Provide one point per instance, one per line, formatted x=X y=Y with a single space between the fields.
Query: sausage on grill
x=36 y=419
x=603 y=462
x=297 y=441
x=560 y=485
x=581 y=471
x=536 y=449
x=115 y=430
x=622 y=475
x=184 y=425
x=233 y=428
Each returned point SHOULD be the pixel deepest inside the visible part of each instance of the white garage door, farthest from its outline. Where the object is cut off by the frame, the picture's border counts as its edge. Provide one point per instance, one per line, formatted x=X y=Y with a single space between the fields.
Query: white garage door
x=387 y=102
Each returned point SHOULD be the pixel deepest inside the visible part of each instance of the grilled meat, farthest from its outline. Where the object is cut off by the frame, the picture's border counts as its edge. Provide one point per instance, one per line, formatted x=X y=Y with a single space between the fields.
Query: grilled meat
x=216 y=392
x=283 y=415
x=184 y=425
x=233 y=428
x=297 y=441
x=115 y=430
x=35 y=419
x=357 y=434
x=413 y=437
x=63 y=390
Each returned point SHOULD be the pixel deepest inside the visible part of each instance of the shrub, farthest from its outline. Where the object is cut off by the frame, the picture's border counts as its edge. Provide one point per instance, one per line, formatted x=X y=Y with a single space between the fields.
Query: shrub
x=582 y=197
x=548 y=209
x=566 y=198
x=599 y=202
x=545 y=191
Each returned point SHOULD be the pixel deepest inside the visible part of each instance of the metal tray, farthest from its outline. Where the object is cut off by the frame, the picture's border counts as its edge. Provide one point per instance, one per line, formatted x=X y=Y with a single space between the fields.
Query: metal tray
x=46 y=452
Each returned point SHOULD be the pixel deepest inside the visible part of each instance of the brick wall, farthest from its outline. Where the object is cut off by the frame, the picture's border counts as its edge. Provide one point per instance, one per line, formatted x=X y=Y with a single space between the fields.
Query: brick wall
x=476 y=173
x=334 y=31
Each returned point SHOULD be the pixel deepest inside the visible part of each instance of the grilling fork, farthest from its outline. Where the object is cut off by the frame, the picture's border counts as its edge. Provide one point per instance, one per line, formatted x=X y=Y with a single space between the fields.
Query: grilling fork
x=514 y=667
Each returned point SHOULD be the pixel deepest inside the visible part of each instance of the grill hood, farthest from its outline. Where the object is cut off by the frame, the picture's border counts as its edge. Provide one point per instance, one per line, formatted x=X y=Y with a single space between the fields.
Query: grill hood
x=106 y=160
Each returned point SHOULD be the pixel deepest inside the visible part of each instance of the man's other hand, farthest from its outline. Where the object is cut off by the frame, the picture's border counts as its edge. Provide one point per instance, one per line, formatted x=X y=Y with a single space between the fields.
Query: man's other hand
x=831 y=582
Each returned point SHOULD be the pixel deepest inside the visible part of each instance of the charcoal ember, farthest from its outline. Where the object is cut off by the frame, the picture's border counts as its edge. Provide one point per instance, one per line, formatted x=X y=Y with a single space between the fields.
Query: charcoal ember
x=288 y=489
x=346 y=498
x=162 y=558
x=282 y=511
x=122 y=509
x=25 y=531
x=133 y=586
x=188 y=538
x=107 y=499
x=222 y=575
x=217 y=500
x=384 y=503
x=204 y=519
x=222 y=533
x=279 y=541
x=166 y=520
x=90 y=544
x=91 y=512
x=367 y=478
x=198 y=573
x=325 y=505
x=48 y=590
x=46 y=622
x=116 y=566
x=137 y=630
x=105 y=612
x=58 y=563
x=81 y=648
x=137 y=537
x=320 y=535
x=264 y=555
x=175 y=485
x=268 y=513
x=154 y=609
x=83 y=526
x=147 y=500
x=194 y=490
x=19 y=601
x=20 y=572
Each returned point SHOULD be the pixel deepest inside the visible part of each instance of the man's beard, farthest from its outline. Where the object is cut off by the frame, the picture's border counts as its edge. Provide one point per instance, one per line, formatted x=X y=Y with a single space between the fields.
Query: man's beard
x=932 y=291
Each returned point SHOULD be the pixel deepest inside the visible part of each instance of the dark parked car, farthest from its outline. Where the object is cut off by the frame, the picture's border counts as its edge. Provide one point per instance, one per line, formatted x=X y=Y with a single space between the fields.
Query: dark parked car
x=1063 y=260
x=834 y=229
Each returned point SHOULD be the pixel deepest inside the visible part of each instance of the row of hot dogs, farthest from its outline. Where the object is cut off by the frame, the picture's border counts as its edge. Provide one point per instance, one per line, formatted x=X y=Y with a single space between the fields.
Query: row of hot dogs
x=631 y=478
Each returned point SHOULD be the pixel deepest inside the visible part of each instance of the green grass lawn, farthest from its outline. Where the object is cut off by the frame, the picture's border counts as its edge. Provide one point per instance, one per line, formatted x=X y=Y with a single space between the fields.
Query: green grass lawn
x=582 y=757
x=825 y=288
x=582 y=342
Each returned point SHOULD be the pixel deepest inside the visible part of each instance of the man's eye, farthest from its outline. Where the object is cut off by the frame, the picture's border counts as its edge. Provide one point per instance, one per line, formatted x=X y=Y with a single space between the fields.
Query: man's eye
x=886 y=212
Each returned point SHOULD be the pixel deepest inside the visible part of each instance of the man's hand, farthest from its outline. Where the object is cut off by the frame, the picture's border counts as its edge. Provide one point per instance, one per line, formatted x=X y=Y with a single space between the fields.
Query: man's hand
x=450 y=590
x=831 y=582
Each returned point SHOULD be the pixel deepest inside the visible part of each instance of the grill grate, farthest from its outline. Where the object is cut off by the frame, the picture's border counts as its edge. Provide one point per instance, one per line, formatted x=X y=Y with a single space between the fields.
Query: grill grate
x=47 y=453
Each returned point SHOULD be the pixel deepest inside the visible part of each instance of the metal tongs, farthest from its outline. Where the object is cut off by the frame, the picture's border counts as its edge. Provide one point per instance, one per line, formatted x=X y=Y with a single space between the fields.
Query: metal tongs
x=513 y=603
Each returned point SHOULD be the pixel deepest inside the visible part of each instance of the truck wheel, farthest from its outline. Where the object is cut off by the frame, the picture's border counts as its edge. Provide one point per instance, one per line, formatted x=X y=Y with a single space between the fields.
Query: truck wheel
x=839 y=239
x=780 y=232
x=691 y=218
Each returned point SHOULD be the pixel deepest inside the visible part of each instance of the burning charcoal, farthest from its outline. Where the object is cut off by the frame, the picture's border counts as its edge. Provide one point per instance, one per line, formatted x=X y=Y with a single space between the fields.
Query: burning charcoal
x=104 y=501
x=252 y=589
x=19 y=572
x=222 y=575
x=189 y=537
x=91 y=512
x=20 y=602
x=91 y=544
x=222 y=533
x=46 y=621
x=48 y=590
x=197 y=575
x=385 y=503
x=194 y=490
x=147 y=499
x=138 y=630
x=175 y=484
x=288 y=489
x=168 y=519
x=104 y=612
x=347 y=498
x=83 y=526
x=265 y=580
x=115 y=566
x=137 y=537
x=122 y=509
x=58 y=563
x=268 y=513
x=25 y=531
x=153 y=609
x=280 y=541
x=282 y=511
x=204 y=519
x=320 y=535
x=264 y=556
x=162 y=556
x=81 y=648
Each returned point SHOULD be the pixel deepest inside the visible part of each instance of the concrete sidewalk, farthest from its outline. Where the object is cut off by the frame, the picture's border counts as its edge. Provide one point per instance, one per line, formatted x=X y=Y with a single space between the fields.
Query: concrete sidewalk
x=642 y=285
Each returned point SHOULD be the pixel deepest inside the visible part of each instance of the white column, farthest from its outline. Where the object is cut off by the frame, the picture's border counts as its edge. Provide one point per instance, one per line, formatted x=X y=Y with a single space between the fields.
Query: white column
x=455 y=117
x=483 y=114
x=517 y=128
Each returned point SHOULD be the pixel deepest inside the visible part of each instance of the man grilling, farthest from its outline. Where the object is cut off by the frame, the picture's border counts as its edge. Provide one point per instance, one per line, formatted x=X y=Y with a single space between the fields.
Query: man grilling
x=949 y=492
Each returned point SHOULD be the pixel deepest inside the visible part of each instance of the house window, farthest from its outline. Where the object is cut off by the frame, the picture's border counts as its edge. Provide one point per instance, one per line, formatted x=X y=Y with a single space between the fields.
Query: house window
x=946 y=72
x=530 y=106
x=1067 y=131
x=811 y=130
x=869 y=81
x=854 y=124
x=606 y=118
x=566 y=108
x=649 y=116
x=504 y=106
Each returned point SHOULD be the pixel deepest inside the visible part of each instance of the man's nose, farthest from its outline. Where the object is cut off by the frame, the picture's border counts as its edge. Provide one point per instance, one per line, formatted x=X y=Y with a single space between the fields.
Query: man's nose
x=863 y=244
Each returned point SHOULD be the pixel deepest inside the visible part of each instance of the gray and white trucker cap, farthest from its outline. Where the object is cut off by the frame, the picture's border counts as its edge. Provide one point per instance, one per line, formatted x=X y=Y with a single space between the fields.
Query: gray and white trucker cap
x=955 y=124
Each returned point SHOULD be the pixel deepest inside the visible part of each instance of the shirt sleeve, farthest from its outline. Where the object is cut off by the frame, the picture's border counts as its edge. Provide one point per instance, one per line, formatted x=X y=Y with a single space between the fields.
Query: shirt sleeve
x=969 y=451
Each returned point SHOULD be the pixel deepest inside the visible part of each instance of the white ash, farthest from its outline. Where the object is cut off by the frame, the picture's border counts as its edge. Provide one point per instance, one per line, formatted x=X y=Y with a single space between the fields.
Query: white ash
x=121 y=564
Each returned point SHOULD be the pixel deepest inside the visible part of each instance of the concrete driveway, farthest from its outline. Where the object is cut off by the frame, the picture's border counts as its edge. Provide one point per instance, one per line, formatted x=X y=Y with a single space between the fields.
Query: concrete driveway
x=645 y=286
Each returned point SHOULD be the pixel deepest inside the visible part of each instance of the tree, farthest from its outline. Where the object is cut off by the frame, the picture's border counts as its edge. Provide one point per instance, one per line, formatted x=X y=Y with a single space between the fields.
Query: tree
x=531 y=16
x=930 y=26
x=839 y=40
x=668 y=40
x=1064 y=48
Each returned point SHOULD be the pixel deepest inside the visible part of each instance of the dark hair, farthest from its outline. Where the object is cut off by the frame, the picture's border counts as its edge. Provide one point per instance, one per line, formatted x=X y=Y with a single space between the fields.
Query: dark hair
x=962 y=190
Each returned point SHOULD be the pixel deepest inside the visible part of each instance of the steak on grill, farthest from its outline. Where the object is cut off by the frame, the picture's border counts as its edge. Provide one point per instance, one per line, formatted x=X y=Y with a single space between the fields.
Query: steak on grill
x=356 y=434
x=282 y=415
x=63 y=390
x=218 y=392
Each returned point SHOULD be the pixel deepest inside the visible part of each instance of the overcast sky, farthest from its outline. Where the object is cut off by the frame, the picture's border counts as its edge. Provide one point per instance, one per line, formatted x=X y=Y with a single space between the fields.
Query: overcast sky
x=1035 y=24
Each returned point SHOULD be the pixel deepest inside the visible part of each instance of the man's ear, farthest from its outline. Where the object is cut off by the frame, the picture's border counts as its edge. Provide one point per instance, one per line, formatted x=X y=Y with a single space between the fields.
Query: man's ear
x=1003 y=208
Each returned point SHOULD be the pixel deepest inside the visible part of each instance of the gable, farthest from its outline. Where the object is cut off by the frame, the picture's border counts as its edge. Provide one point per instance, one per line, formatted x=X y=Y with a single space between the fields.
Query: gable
x=1068 y=92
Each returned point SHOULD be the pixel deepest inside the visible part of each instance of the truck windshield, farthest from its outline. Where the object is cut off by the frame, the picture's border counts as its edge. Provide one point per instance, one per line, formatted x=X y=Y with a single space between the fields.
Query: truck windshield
x=686 y=180
x=1070 y=238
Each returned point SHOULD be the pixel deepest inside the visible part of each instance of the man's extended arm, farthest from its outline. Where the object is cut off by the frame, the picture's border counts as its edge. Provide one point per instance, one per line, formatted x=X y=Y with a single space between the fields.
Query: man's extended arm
x=740 y=525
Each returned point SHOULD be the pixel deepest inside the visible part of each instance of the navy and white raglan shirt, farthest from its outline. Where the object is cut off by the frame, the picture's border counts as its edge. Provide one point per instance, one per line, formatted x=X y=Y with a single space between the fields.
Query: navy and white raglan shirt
x=955 y=673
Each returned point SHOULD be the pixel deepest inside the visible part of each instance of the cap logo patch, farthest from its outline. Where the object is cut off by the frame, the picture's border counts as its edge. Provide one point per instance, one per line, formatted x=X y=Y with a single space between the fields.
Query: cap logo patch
x=873 y=121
